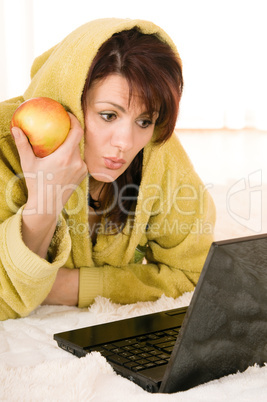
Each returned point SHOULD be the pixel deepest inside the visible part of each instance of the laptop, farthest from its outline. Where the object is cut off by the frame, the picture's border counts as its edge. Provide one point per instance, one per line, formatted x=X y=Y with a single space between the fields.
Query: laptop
x=222 y=331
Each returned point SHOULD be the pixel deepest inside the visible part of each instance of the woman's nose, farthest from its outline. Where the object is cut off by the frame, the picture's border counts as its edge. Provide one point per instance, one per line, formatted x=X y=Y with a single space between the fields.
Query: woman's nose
x=122 y=137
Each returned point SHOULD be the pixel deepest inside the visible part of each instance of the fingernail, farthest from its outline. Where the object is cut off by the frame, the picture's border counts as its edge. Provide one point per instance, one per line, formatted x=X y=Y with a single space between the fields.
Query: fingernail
x=15 y=132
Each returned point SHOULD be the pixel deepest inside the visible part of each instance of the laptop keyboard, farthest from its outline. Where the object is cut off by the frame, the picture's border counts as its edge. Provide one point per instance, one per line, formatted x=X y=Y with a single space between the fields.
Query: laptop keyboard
x=141 y=352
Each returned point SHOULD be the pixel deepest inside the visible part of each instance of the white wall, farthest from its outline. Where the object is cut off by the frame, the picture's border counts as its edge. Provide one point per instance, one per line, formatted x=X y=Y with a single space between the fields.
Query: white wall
x=222 y=44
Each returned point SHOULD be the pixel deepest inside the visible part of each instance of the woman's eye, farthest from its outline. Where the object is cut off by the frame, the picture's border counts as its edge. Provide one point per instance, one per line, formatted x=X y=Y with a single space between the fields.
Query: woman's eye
x=144 y=123
x=108 y=116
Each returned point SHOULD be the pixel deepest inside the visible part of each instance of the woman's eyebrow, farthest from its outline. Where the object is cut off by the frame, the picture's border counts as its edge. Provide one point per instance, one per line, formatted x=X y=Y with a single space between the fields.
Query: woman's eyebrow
x=113 y=104
x=121 y=108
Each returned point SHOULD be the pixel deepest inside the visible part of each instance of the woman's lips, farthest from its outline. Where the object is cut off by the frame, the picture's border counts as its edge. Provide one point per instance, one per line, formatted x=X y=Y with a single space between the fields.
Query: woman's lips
x=114 y=163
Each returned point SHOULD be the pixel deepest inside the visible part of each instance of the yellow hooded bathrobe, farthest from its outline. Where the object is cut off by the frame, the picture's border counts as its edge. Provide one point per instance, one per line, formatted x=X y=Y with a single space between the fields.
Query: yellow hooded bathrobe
x=174 y=216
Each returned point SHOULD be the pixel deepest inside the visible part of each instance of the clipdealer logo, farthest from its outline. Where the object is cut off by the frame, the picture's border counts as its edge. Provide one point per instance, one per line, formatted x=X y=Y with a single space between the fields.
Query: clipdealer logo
x=244 y=201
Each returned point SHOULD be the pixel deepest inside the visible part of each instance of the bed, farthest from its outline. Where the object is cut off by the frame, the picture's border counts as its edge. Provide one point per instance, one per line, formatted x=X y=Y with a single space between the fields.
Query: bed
x=33 y=368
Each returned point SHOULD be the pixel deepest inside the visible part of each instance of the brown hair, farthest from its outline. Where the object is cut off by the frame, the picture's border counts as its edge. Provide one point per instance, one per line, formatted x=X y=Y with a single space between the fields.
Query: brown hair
x=153 y=70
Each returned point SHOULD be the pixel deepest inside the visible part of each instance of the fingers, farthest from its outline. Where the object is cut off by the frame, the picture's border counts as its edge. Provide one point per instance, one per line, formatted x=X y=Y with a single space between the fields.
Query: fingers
x=19 y=137
x=68 y=155
x=74 y=122
x=22 y=143
x=75 y=134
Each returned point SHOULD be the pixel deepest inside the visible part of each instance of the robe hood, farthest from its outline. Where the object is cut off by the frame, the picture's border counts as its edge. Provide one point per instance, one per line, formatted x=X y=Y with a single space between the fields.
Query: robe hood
x=60 y=73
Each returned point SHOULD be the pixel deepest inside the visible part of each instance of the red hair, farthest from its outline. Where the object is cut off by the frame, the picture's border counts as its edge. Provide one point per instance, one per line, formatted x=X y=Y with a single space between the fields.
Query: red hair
x=153 y=70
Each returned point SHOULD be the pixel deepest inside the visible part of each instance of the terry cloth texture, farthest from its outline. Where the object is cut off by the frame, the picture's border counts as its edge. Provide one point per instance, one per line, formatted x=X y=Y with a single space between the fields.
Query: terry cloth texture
x=174 y=217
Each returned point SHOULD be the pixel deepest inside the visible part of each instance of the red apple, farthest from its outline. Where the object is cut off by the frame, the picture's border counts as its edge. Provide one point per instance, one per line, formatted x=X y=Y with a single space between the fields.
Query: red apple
x=45 y=122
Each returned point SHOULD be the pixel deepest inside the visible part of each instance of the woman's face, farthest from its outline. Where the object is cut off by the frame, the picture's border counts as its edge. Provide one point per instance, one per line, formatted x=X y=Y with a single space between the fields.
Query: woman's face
x=114 y=130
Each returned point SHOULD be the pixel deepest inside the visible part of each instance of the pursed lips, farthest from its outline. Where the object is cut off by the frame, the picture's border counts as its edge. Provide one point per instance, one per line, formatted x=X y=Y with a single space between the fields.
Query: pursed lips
x=114 y=163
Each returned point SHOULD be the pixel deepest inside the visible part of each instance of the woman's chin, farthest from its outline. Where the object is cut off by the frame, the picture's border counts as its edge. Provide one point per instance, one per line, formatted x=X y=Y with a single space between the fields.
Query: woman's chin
x=104 y=177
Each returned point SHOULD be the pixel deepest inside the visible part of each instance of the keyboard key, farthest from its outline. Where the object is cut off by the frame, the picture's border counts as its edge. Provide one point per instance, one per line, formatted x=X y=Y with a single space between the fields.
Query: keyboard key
x=109 y=346
x=160 y=334
x=136 y=351
x=106 y=353
x=118 y=359
x=168 y=350
x=150 y=365
x=130 y=365
x=128 y=348
x=145 y=355
x=164 y=356
x=172 y=332
x=165 y=339
x=140 y=345
x=141 y=338
x=99 y=349
x=165 y=345
x=142 y=361
x=117 y=351
x=126 y=354
x=126 y=342
x=161 y=362
x=138 y=368
x=152 y=336
x=154 y=352
x=147 y=349
x=134 y=357
x=153 y=358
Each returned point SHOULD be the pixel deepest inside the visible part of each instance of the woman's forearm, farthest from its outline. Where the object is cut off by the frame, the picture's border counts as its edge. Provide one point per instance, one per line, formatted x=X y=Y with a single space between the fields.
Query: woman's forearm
x=37 y=231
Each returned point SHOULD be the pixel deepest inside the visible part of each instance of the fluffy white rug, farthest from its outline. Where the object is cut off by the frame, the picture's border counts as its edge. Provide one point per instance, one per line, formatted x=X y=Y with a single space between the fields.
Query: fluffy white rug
x=33 y=368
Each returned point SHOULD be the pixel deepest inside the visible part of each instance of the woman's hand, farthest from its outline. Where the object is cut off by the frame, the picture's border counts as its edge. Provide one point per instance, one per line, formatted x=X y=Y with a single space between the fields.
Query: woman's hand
x=65 y=290
x=50 y=182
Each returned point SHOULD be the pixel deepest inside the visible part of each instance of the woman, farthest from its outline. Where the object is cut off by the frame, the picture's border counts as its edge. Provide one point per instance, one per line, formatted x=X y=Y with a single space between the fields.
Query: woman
x=79 y=223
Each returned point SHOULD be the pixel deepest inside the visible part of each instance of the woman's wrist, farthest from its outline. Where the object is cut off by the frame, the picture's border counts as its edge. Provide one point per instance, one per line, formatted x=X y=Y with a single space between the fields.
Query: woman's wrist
x=65 y=290
x=37 y=230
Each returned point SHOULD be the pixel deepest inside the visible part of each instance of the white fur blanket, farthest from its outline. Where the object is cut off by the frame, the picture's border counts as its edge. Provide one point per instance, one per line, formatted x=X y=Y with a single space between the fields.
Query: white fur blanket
x=33 y=368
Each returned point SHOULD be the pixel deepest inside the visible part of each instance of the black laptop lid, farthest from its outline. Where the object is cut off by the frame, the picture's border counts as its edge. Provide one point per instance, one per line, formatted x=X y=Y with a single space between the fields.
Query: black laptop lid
x=225 y=329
